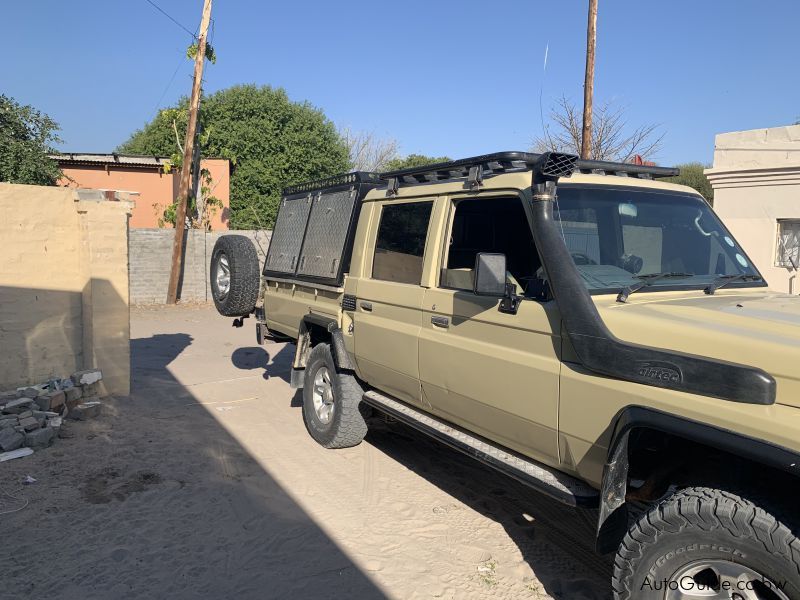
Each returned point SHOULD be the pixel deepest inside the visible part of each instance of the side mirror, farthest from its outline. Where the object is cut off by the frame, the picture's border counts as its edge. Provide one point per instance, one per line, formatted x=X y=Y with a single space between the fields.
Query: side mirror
x=490 y=274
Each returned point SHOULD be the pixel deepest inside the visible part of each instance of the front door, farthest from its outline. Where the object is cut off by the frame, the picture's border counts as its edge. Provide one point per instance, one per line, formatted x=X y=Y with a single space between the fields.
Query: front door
x=493 y=373
x=388 y=315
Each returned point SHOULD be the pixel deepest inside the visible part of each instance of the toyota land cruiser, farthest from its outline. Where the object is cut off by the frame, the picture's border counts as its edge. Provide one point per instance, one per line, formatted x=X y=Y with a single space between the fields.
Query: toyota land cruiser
x=579 y=325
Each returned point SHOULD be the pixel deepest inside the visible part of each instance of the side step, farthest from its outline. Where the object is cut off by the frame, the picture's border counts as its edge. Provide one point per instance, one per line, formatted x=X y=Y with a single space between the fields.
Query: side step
x=557 y=485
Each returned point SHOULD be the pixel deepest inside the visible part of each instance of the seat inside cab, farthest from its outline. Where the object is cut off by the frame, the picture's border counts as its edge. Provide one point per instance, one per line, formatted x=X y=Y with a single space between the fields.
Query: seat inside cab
x=497 y=225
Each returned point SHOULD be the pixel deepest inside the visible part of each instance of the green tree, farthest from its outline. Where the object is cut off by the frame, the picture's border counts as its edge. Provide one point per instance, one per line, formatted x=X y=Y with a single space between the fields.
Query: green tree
x=26 y=136
x=693 y=176
x=414 y=160
x=271 y=141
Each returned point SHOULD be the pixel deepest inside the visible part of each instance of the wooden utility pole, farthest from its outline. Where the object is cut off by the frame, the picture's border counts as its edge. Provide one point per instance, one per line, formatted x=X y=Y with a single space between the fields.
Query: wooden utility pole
x=588 y=83
x=186 y=167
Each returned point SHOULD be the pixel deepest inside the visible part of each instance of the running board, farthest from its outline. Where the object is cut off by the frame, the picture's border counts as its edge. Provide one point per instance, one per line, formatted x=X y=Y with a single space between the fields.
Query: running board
x=557 y=485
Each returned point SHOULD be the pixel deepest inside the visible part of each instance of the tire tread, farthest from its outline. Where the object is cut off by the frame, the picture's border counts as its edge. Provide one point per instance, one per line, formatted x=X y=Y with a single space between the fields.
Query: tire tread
x=245 y=276
x=706 y=509
x=351 y=427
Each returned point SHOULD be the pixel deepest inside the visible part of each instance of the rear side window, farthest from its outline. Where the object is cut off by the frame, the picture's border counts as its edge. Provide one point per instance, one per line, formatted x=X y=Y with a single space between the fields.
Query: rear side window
x=401 y=242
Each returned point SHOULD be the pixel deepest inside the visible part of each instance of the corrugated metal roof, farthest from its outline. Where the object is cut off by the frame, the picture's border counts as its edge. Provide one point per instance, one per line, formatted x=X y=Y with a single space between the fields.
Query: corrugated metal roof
x=128 y=160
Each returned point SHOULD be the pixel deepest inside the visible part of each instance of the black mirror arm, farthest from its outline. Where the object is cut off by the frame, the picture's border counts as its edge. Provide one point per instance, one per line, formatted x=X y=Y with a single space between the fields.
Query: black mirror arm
x=509 y=304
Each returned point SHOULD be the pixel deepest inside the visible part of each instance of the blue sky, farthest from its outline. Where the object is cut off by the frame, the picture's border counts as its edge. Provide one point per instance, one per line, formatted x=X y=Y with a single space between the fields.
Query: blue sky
x=442 y=77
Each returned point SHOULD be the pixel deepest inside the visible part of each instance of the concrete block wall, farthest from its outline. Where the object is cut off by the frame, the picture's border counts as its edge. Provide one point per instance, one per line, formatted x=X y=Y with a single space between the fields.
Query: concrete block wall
x=151 y=254
x=63 y=286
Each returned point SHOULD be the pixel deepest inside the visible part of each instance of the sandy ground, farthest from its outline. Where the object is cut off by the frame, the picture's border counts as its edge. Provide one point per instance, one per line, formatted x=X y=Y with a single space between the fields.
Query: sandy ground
x=205 y=484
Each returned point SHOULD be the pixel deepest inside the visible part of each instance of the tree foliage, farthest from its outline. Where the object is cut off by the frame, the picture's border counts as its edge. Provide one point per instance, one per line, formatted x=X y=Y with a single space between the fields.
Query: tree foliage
x=26 y=136
x=414 y=160
x=612 y=138
x=271 y=141
x=200 y=209
x=211 y=55
x=692 y=175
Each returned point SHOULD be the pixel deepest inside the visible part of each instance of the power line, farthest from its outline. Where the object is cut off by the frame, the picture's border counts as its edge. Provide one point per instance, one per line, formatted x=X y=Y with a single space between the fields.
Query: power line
x=181 y=62
x=159 y=9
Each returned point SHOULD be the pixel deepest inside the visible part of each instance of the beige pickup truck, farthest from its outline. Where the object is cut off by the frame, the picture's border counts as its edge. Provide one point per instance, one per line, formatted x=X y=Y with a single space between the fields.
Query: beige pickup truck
x=578 y=325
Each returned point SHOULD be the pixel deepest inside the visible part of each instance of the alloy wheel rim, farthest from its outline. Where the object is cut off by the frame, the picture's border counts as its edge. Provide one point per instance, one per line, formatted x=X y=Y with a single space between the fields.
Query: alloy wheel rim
x=721 y=580
x=322 y=395
x=223 y=276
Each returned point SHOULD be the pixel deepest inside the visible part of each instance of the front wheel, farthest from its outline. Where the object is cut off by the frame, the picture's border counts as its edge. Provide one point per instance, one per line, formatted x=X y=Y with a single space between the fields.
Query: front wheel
x=331 y=402
x=704 y=543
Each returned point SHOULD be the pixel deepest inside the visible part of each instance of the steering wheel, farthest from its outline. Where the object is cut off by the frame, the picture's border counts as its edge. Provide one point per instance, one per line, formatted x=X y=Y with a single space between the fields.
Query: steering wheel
x=581 y=259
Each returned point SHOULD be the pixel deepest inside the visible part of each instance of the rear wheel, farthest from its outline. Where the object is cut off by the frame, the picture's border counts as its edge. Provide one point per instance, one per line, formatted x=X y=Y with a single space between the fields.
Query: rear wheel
x=331 y=402
x=235 y=275
x=704 y=543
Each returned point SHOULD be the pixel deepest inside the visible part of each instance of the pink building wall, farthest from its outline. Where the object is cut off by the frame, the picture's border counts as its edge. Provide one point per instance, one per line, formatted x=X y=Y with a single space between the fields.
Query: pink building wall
x=155 y=189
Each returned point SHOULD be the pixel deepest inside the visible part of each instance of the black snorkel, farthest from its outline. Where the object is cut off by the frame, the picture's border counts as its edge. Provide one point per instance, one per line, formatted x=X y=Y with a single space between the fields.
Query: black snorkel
x=596 y=347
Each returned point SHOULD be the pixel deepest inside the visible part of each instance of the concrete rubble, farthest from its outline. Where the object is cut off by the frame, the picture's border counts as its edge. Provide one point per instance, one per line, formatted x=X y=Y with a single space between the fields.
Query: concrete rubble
x=32 y=416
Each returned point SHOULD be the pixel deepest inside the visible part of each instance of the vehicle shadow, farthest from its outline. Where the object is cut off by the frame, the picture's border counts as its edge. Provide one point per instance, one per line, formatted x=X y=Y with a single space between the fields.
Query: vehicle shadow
x=264 y=544
x=156 y=498
x=275 y=362
x=555 y=540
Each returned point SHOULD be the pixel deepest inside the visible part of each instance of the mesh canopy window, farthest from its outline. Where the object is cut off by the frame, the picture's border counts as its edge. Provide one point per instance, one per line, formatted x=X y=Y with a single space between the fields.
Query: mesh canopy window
x=287 y=237
x=326 y=235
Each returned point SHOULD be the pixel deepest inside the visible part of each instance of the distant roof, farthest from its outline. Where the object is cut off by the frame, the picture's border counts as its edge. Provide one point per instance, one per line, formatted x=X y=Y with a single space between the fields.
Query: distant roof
x=128 y=160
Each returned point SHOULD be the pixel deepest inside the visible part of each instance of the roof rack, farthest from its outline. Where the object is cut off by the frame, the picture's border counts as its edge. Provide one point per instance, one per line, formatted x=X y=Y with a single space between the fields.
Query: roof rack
x=505 y=162
x=604 y=167
x=327 y=182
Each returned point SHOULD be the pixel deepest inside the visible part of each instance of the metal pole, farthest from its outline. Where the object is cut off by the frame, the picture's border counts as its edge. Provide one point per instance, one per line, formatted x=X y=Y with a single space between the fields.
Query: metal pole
x=186 y=168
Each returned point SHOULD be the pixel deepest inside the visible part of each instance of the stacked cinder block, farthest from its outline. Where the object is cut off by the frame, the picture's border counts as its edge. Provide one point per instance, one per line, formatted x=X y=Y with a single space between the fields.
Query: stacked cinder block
x=32 y=416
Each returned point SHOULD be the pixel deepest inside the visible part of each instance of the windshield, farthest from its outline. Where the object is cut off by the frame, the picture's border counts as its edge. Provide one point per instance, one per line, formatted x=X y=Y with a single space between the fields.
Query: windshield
x=618 y=235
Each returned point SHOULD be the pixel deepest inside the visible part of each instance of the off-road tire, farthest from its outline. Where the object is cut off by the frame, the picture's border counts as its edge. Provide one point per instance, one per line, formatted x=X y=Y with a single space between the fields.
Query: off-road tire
x=245 y=277
x=346 y=427
x=699 y=524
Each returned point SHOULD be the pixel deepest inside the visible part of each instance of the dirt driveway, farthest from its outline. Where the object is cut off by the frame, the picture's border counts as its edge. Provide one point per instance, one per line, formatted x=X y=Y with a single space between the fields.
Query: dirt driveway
x=205 y=484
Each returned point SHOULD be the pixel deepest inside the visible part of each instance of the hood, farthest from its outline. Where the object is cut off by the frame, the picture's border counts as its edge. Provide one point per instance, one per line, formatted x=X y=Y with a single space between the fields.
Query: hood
x=755 y=328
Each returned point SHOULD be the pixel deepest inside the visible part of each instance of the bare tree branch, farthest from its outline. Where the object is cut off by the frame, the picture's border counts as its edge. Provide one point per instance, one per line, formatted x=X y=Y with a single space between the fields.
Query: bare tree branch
x=612 y=138
x=177 y=137
x=367 y=151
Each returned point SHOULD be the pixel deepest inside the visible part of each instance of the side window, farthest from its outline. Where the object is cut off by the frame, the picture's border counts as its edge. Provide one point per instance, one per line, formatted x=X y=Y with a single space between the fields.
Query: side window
x=490 y=225
x=401 y=242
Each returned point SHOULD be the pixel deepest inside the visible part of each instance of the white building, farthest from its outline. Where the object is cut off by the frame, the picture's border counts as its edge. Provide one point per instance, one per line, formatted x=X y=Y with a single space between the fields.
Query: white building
x=756 y=181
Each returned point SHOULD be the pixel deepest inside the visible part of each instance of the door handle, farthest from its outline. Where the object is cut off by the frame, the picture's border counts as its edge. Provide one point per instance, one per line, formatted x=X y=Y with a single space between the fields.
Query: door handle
x=440 y=321
x=367 y=306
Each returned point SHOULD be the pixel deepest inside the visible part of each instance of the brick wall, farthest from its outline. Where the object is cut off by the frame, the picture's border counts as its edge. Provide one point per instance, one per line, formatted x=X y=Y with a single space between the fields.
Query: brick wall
x=151 y=253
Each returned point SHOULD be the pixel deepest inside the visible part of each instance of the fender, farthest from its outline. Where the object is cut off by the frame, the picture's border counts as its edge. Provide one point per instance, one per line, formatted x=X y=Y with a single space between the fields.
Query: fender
x=613 y=520
x=341 y=359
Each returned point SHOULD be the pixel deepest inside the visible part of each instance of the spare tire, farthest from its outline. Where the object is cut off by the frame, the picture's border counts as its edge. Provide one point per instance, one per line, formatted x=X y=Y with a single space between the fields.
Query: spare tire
x=235 y=276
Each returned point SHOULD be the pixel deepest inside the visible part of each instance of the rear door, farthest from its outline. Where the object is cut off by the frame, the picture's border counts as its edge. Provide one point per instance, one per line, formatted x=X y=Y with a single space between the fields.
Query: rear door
x=388 y=314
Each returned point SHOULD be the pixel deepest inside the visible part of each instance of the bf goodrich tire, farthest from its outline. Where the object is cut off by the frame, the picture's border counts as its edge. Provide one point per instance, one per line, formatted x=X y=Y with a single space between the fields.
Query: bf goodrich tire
x=235 y=276
x=331 y=402
x=708 y=543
